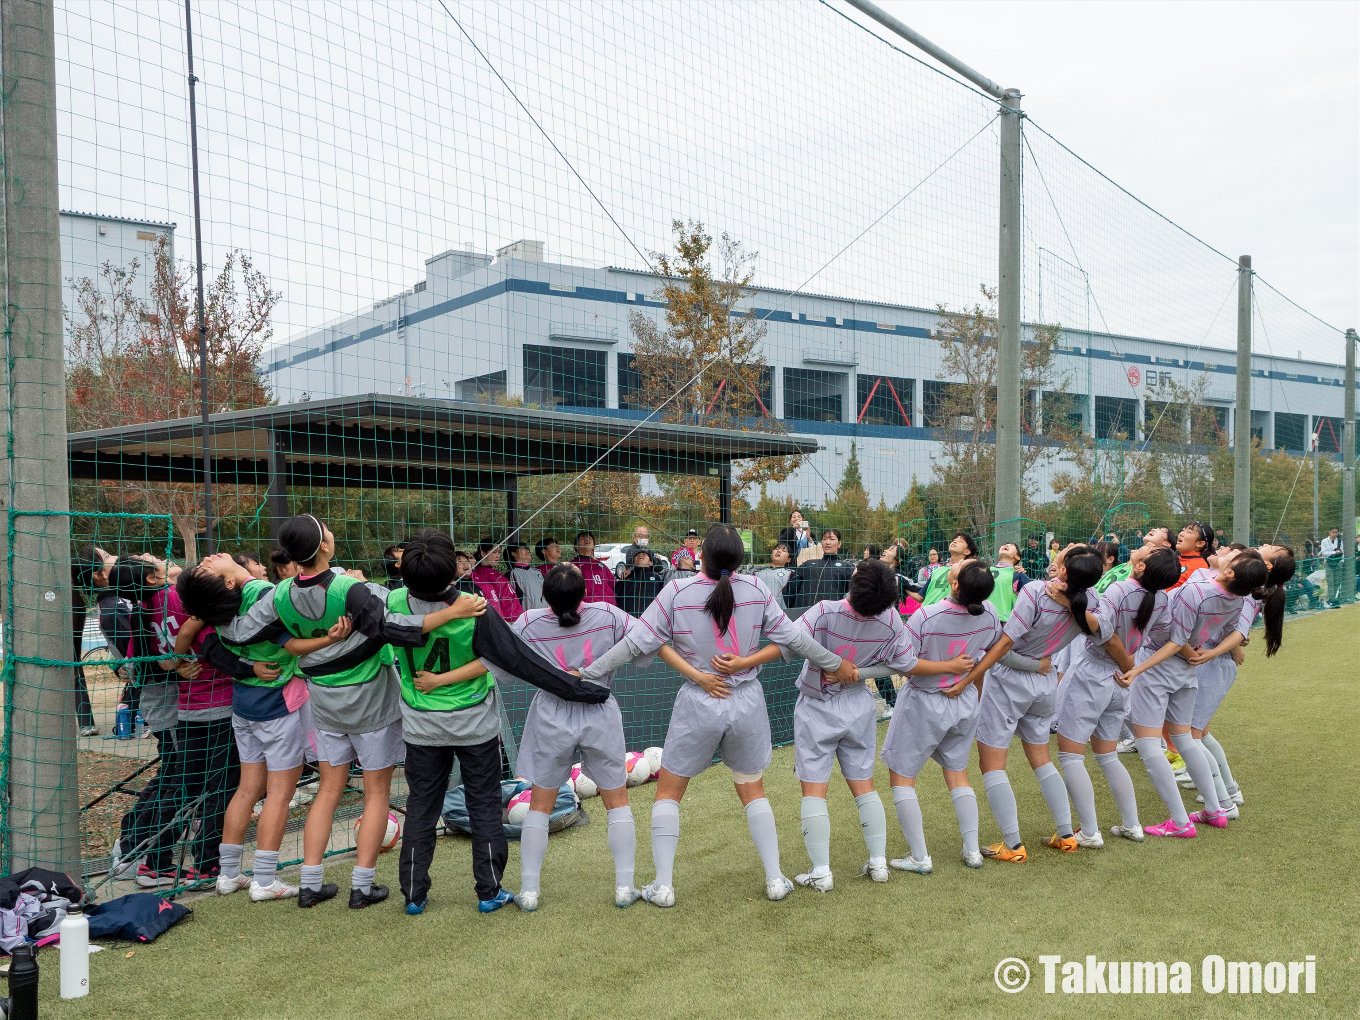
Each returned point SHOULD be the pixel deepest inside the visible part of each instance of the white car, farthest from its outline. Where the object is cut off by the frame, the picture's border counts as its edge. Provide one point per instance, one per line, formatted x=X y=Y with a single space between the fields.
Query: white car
x=611 y=554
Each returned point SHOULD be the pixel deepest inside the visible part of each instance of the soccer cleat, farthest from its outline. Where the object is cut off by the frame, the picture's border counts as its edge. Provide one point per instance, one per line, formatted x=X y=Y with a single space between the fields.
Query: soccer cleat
x=659 y=895
x=776 y=889
x=89 y=731
x=626 y=895
x=1236 y=799
x=1126 y=746
x=275 y=890
x=496 y=902
x=1218 y=819
x=973 y=860
x=1001 y=852
x=150 y=878
x=358 y=899
x=1067 y=844
x=1184 y=779
x=878 y=872
x=194 y=879
x=311 y=897
x=910 y=863
x=1170 y=828
x=226 y=886
x=1092 y=840
x=887 y=714
x=526 y=901
x=417 y=908
x=817 y=883
x=1133 y=832
x=1177 y=762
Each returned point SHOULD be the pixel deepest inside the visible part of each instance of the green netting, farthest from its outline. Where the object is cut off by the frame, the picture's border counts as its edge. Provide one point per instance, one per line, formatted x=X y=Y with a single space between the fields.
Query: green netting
x=563 y=273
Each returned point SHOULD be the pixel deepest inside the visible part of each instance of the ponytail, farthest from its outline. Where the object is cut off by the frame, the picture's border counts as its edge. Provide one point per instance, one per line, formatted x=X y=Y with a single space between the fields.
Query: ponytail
x=1161 y=570
x=563 y=590
x=1279 y=570
x=1084 y=566
x=723 y=552
x=975 y=582
x=1249 y=575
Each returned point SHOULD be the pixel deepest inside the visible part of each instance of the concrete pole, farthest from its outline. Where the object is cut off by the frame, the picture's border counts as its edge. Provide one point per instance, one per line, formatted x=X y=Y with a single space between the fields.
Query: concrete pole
x=1009 y=399
x=1348 y=477
x=42 y=816
x=1242 y=426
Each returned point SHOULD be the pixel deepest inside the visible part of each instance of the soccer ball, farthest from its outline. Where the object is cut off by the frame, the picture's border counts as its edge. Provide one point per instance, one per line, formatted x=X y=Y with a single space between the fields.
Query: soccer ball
x=390 y=837
x=653 y=756
x=638 y=769
x=583 y=785
x=518 y=807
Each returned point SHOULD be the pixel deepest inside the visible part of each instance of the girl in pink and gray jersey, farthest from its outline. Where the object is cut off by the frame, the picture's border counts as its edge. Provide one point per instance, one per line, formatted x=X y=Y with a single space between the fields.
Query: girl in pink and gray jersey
x=1202 y=613
x=690 y=623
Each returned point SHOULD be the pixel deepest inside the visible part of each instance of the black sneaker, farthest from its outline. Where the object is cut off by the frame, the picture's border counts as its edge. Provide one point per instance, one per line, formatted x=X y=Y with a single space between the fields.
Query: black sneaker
x=359 y=899
x=311 y=897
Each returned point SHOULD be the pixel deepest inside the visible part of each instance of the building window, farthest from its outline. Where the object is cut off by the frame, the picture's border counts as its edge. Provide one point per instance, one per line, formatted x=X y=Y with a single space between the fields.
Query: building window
x=813 y=395
x=1064 y=412
x=1163 y=422
x=630 y=384
x=481 y=389
x=884 y=399
x=564 y=376
x=1116 y=417
x=936 y=398
x=1291 y=431
x=1328 y=432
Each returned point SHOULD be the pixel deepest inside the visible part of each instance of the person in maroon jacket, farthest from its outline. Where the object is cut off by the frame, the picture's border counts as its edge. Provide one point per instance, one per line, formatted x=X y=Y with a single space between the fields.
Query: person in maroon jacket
x=495 y=586
x=599 y=578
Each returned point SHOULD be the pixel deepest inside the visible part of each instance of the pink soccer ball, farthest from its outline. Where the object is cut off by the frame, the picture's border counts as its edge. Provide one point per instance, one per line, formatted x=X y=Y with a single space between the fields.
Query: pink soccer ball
x=518 y=808
x=637 y=768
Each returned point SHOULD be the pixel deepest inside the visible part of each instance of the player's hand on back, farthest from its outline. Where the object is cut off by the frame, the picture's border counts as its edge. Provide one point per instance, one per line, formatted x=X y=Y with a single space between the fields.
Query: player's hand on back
x=714 y=686
x=468 y=606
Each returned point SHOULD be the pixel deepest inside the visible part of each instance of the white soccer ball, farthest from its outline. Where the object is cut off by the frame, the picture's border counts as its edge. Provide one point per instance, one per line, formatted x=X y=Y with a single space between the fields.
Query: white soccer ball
x=583 y=785
x=518 y=808
x=390 y=837
x=638 y=769
x=653 y=756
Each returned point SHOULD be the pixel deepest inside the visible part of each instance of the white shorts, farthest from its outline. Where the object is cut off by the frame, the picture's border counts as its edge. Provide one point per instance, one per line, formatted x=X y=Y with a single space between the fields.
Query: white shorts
x=554 y=729
x=1215 y=678
x=926 y=725
x=282 y=744
x=736 y=727
x=1016 y=701
x=843 y=726
x=1157 y=697
x=1091 y=704
x=375 y=750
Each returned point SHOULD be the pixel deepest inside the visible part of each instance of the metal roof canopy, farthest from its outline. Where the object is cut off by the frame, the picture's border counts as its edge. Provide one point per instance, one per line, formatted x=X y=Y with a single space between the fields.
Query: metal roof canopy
x=388 y=442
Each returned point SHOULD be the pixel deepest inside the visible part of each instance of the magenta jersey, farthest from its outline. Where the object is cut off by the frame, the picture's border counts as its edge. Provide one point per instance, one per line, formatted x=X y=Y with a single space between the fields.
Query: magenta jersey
x=863 y=640
x=1038 y=626
x=940 y=631
x=677 y=615
x=166 y=615
x=602 y=626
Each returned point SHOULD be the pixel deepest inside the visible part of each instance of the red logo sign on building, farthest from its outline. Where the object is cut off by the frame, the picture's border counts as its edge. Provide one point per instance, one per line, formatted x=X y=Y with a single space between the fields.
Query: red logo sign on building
x=1134 y=375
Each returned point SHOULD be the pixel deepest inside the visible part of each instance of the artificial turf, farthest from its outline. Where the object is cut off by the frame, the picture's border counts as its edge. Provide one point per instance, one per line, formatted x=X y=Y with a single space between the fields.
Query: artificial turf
x=1276 y=885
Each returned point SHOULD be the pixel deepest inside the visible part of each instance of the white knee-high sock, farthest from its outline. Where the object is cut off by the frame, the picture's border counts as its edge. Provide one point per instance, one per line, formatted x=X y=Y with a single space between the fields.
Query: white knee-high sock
x=1121 y=787
x=1212 y=745
x=533 y=847
x=966 y=810
x=1163 y=777
x=817 y=833
x=1080 y=789
x=622 y=843
x=665 y=838
x=908 y=809
x=1197 y=764
x=873 y=822
x=1055 y=795
x=760 y=820
x=1001 y=799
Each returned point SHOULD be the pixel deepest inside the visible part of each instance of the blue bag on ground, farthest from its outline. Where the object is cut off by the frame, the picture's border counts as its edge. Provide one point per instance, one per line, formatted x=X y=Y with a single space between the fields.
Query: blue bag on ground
x=566 y=812
x=137 y=917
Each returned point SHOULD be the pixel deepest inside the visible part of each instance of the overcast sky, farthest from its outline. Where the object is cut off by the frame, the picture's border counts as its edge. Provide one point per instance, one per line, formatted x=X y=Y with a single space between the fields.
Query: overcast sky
x=1239 y=120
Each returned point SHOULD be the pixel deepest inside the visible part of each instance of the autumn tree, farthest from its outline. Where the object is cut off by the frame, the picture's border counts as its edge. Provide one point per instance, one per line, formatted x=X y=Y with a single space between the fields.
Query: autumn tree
x=131 y=360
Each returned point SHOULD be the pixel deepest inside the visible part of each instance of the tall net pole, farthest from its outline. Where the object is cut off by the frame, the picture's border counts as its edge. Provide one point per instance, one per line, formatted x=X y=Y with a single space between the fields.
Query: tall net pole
x=1348 y=477
x=41 y=820
x=1008 y=396
x=1242 y=429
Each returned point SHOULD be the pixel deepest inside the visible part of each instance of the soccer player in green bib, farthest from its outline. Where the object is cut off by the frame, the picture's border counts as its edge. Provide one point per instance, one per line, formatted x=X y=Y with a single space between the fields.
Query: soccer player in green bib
x=355 y=695
x=961 y=547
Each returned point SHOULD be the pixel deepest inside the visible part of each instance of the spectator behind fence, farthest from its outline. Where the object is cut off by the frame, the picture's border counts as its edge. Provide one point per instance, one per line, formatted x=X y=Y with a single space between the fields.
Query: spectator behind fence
x=776 y=575
x=1333 y=553
x=1033 y=560
x=691 y=546
x=89 y=573
x=599 y=578
x=931 y=565
x=820 y=579
x=493 y=585
x=685 y=566
x=392 y=566
x=797 y=536
x=526 y=578
x=640 y=584
x=549 y=553
x=642 y=539
x=252 y=564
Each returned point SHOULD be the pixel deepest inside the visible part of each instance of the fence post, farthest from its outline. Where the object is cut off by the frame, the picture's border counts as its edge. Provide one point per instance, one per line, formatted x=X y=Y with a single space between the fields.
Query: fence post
x=42 y=817
x=1009 y=399
x=1242 y=424
x=1348 y=477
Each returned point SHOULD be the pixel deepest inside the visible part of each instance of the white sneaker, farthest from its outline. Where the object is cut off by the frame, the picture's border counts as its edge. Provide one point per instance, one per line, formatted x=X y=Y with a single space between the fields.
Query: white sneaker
x=89 y=731
x=625 y=895
x=887 y=714
x=878 y=872
x=226 y=886
x=275 y=890
x=780 y=887
x=659 y=895
x=817 y=883
x=1184 y=779
x=122 y=870
x=1235 y=798
x=973 y=860
x=526 y=901
x=909 y=863
x=1126 y=746
x=1091 y=841
x=1133 y=832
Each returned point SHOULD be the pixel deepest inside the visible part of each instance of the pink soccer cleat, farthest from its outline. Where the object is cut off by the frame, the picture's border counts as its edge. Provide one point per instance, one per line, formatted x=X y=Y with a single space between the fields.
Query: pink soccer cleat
x=1170 y=828
x=1219 y=819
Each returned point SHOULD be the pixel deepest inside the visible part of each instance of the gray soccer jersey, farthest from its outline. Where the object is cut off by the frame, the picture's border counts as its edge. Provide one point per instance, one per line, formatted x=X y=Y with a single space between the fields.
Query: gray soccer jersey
x=863 y=640
x=1116 y=610
x=1213 y=679
x=1038 y=626
x=1202 y=614
x=942 y=630
x=601 y=627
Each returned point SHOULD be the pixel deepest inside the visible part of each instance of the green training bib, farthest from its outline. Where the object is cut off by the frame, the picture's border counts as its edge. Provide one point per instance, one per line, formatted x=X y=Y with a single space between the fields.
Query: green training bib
x=446 y=648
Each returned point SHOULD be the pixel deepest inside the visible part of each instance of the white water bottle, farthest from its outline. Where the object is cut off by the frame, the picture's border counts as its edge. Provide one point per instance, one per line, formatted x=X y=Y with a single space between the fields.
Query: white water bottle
x=75 y=955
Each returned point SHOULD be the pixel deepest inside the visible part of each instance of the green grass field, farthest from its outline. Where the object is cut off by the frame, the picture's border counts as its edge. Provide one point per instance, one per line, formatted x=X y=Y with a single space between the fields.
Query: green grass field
x=1277 y=885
